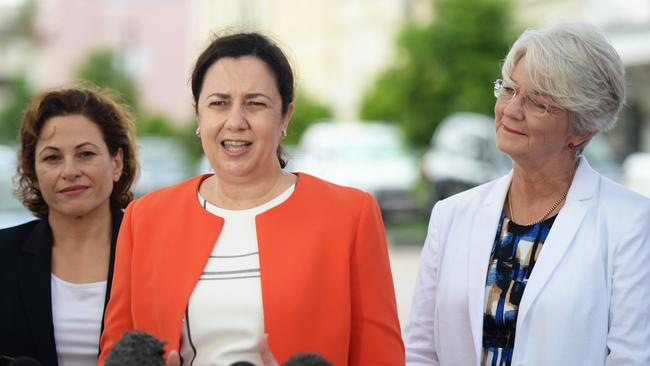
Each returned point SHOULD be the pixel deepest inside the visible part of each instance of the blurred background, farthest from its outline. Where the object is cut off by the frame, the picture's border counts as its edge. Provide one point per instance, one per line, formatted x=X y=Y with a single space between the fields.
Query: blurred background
x=393 y=96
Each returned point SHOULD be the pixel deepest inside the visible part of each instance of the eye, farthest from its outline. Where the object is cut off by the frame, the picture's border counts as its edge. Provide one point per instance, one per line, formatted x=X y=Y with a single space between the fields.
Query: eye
x=537 y=104
x=257 y=103
x=86 y=154
x=509 y=90
x=217 y=103
x=51 y=158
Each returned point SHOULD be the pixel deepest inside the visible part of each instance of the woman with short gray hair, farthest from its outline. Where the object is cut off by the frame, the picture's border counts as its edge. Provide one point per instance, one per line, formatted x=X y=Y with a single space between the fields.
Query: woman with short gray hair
x=539 y=267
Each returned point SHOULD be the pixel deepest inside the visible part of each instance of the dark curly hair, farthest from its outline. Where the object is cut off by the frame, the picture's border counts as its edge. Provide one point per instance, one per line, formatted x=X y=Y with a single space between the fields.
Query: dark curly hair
x=113 y=120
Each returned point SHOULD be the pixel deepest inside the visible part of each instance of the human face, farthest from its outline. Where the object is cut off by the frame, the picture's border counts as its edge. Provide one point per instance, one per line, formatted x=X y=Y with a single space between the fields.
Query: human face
x=240 y=116
x=74 y=170
x=525 y=134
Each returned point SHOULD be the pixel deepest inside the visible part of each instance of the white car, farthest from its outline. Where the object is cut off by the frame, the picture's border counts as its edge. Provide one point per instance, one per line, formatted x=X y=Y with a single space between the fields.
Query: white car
x=366 y=155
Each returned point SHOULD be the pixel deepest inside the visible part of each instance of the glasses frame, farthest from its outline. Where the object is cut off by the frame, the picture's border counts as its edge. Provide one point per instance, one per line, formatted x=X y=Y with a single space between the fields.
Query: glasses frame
x=530 y=104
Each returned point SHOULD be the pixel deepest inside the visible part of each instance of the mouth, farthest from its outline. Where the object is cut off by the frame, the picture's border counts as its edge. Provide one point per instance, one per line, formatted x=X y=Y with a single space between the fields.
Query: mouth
x=512 y=131
x=235 y=146
x=73 y=190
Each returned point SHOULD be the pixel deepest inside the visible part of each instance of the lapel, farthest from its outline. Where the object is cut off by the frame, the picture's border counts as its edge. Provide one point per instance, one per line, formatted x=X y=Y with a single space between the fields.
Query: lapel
x=483 y=228
x=567 y=223
x=35 y=287
x=116 y=220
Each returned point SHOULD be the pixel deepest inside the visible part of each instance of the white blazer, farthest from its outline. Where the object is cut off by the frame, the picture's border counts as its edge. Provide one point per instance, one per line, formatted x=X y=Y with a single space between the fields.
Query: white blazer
x=587 y=301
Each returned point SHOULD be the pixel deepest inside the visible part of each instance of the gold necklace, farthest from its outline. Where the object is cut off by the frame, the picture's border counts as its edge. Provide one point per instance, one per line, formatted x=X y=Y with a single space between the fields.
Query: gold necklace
x=557 y=203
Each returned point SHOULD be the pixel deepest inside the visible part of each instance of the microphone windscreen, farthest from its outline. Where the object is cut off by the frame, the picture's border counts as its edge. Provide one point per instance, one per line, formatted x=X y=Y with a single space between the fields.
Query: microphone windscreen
x=25 y=361
x=242 y=363
x=137 y=349
x=307 y=359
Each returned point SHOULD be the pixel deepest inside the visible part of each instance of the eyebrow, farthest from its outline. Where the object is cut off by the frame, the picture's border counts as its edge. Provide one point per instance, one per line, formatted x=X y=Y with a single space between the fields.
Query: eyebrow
x=83 y=144
x=248 y=96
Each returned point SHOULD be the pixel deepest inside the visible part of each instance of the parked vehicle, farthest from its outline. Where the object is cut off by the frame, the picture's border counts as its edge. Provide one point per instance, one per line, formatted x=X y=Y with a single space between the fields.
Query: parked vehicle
x=12 y=212
x=163 y=162
x=464 y=154
x=369 y=156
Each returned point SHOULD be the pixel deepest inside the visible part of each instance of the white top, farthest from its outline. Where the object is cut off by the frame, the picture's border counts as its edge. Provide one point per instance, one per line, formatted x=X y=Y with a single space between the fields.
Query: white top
x=224 y=319
x=77 y=315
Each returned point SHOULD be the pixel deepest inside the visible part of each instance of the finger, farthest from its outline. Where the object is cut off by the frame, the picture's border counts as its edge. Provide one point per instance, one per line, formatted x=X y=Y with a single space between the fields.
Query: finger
x=174 y=359
x=265 y=352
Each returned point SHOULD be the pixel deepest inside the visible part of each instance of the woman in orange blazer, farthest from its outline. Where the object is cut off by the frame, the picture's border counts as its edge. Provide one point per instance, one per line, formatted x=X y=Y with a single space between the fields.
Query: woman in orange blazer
x=213 y=264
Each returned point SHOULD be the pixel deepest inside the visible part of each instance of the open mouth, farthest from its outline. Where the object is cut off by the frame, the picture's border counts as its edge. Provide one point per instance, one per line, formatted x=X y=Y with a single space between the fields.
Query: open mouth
x=235 y=146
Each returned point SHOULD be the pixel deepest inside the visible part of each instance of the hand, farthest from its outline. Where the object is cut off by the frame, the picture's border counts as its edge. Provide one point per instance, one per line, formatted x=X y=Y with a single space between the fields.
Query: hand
x=265 y=352
x=174 y=359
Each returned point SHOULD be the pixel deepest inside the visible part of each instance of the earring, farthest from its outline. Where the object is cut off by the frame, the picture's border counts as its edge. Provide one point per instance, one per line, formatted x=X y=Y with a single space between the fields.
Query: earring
x=198 y=132
x=284 y=132
x=571 y=146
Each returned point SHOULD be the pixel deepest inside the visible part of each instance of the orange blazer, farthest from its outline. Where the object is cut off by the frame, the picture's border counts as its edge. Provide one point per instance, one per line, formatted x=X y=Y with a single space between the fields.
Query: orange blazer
x=325 y=273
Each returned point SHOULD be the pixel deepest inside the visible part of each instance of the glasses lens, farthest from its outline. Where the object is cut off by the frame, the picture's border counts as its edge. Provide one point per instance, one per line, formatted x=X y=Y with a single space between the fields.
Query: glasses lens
x=498 y=85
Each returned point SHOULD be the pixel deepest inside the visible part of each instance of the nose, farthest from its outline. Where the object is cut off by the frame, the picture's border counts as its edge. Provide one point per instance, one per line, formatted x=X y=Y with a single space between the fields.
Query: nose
x=71 y=169
x=515 y=108
x=236 y=119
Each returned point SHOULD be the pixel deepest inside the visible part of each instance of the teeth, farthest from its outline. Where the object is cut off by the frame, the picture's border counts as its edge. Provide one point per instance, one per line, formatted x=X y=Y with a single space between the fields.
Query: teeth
x=234 y=145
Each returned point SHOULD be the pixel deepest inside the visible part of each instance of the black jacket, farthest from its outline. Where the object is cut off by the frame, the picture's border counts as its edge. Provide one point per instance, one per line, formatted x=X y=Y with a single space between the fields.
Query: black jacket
x=26 y=326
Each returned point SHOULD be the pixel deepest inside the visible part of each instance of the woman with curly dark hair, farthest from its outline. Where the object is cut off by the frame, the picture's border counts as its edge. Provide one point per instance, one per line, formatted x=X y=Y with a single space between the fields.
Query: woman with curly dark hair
x=76 y=165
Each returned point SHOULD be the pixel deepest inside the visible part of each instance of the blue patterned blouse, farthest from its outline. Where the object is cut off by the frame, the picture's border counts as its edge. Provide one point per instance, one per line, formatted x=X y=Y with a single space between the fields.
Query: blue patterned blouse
x=514 y=253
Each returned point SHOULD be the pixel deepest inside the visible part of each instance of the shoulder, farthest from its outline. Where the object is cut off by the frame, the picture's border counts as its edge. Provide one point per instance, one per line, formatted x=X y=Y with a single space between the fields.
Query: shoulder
x=17 y=232
x=12 y=239
x=168 y=197
x=320 y=191
x=470 y=198
x=621 y=199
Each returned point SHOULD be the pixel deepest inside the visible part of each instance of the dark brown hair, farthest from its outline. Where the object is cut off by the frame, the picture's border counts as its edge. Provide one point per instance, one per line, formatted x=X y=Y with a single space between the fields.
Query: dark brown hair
x=248 y=44
x=113 y=120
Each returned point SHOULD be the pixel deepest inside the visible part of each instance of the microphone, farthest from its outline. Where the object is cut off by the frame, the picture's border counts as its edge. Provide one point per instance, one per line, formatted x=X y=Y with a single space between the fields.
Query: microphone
x=24 y=361
x=242 y=363
x=307 y=359
x=137 y=349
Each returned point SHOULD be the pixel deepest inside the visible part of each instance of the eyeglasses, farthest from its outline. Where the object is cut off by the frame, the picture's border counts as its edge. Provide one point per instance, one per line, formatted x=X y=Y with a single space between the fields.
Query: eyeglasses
x=532 y=105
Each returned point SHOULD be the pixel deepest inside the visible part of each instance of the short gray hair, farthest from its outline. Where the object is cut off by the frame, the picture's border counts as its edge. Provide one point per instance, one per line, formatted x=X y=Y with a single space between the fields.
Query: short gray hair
x=574 y=65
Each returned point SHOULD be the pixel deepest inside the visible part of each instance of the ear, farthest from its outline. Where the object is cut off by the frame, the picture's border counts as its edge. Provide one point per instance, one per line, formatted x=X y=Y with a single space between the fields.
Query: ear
x=118 y=164
x=581 y=139
x=287 y=117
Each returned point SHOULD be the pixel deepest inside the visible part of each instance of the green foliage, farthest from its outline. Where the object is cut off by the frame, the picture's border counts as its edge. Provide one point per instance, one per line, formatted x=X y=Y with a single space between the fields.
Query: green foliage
x=104 y=68
x=306 y=112
x=155 y=125
x=447 y=66
x=18 y=96
x=190 y=141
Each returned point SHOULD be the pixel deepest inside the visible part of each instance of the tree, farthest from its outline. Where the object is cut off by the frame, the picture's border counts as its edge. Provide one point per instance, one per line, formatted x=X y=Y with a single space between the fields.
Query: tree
x=105 y=69
x=306 y=112
x=444 y=67
x=18 y=97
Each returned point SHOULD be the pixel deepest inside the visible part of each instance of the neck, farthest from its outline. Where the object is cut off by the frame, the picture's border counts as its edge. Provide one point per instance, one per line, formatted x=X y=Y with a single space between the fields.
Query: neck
x=93 y=229
x=240 y=194
x=538 y=192
x=542 y=181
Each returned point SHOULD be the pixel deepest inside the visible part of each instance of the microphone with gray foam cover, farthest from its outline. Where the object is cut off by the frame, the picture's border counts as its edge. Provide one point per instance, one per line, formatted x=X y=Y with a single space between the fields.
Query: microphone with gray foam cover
x=137 y=349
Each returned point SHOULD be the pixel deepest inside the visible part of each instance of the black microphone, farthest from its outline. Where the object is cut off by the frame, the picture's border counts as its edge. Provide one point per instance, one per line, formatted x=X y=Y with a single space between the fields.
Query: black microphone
x=242 y=363
x=307 y=359
x=137 y=349
x=24 y=361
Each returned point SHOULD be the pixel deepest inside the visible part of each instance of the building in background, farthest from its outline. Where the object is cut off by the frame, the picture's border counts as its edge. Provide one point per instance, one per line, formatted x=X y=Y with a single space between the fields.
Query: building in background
x=337 y=46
